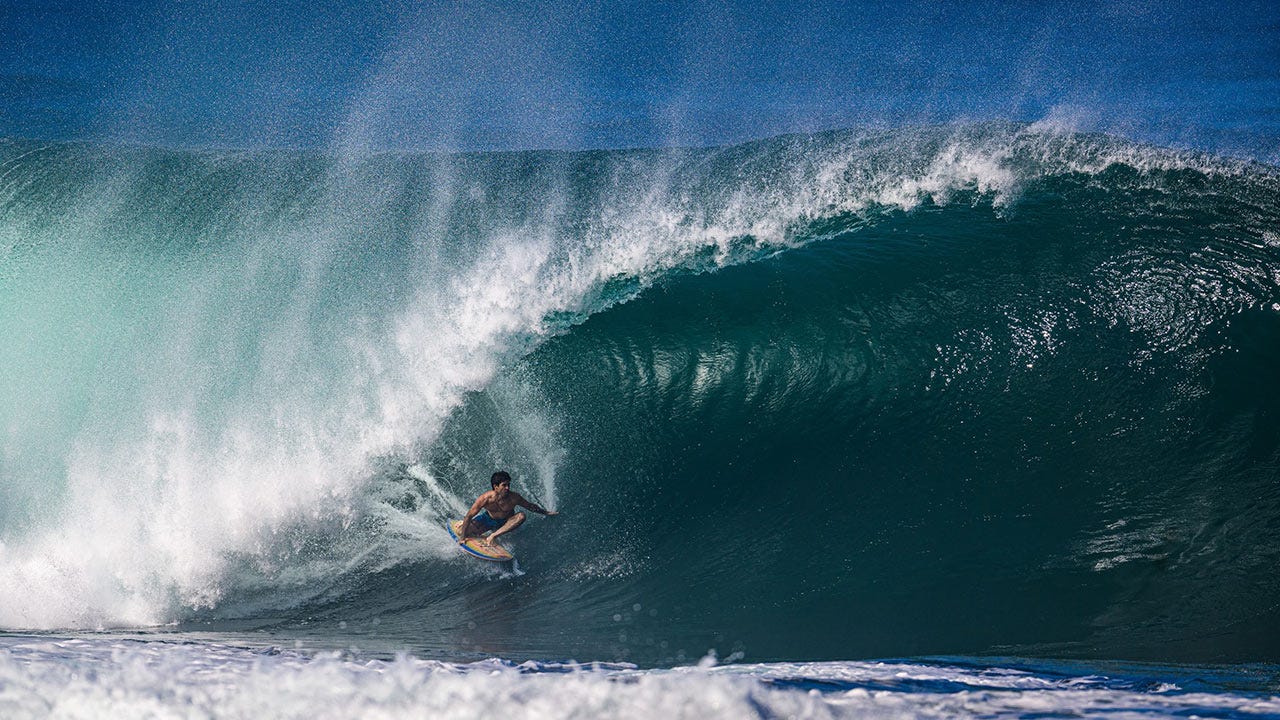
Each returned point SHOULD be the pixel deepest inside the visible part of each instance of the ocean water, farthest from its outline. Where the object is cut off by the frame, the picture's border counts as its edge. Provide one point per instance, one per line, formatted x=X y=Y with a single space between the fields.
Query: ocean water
x=972 y=419
x=84 y=678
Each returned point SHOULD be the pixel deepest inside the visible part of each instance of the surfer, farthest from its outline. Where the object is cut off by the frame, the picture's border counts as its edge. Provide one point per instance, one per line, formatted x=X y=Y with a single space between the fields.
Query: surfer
x=495 y=510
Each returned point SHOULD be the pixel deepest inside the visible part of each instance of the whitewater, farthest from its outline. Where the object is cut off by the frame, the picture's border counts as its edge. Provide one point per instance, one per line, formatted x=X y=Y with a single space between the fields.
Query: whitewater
x=78 y=678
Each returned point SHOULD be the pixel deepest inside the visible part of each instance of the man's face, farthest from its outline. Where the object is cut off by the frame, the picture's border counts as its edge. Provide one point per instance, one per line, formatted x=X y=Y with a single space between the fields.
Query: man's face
x=502 y=488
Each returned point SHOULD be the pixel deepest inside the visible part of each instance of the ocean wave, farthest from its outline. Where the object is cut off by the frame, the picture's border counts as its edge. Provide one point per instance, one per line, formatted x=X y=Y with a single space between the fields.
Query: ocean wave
x=252 y=381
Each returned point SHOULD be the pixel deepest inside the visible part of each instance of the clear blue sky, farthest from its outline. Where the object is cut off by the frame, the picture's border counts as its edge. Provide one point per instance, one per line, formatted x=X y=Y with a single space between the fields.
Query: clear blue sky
x=380 y=74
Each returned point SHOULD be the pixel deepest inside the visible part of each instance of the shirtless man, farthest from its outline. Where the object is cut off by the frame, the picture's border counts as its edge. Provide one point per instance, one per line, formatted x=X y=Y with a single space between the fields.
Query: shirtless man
x=495 y=510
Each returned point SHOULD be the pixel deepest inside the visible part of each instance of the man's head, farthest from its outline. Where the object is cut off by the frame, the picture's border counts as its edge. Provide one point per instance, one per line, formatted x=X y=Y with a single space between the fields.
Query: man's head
x=501 y=478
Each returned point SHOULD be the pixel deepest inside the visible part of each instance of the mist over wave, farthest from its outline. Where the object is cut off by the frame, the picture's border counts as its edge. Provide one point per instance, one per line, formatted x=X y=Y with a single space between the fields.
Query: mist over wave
x=1016 y=379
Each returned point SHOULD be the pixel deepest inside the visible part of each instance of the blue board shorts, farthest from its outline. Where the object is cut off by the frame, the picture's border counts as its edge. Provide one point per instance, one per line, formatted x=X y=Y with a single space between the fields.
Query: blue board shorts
x=487 y=521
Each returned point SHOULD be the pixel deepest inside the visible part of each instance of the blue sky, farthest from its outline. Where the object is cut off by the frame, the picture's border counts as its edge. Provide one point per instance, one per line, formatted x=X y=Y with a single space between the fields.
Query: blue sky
x=462 y=75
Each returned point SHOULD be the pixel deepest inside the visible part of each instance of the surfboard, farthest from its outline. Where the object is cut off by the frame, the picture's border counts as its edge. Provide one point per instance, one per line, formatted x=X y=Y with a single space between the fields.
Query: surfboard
x=477 y=547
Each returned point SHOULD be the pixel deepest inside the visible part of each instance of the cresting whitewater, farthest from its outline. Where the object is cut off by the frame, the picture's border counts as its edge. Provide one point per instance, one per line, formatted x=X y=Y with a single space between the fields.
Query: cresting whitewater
x=997 y=391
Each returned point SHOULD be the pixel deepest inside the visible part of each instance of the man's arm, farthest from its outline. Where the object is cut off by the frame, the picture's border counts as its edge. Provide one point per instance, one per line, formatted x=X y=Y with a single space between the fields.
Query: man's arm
x=521 y=501
x=466 y=521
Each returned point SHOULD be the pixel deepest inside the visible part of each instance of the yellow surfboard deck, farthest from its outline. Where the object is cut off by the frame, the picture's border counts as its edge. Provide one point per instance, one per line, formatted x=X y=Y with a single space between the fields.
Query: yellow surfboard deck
x=479 y=547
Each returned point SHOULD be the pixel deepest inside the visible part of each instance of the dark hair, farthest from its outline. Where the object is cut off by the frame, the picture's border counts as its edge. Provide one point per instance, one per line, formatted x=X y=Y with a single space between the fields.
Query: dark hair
x=502 y=476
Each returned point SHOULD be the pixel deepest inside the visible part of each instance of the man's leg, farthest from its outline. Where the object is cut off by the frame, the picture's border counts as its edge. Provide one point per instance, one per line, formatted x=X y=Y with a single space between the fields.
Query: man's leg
x=476 y=529
x=512 y=523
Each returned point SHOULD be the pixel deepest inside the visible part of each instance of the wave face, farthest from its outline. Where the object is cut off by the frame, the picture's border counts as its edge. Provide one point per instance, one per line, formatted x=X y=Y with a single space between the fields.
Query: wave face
x=866 y=393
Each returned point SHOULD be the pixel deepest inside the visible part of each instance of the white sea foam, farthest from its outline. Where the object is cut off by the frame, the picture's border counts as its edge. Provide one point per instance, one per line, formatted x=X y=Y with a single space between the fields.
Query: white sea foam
x=98 y=678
